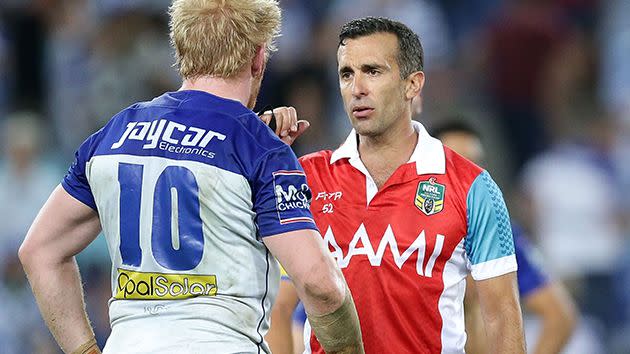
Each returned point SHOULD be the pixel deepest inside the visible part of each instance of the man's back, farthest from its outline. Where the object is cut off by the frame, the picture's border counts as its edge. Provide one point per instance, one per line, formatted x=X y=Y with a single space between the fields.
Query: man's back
x=185 y=185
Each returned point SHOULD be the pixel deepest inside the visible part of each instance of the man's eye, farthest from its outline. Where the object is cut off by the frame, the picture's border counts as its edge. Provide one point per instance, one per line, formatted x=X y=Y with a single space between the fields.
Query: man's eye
x=373 y=72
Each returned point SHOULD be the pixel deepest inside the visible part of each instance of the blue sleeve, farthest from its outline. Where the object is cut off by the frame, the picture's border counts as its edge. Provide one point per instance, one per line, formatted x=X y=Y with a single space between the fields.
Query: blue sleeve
x=489 y=244
x=281 y=196
x=530 y=273
x=75 y=182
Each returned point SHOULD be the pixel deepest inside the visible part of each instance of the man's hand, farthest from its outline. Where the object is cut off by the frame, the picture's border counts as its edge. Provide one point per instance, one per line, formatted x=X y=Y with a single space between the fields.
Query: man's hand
x=287 y=126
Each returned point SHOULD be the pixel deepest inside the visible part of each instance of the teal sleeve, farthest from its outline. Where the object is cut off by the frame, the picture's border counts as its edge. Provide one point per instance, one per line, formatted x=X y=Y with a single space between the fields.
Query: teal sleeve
x=489 y=232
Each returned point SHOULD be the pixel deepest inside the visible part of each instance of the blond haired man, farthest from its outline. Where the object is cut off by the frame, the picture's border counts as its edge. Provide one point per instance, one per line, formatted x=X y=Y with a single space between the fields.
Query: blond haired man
x=196 y=198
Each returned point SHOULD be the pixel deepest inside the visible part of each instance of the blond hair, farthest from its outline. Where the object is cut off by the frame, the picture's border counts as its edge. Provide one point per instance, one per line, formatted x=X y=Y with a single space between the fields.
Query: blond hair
x=218 y=37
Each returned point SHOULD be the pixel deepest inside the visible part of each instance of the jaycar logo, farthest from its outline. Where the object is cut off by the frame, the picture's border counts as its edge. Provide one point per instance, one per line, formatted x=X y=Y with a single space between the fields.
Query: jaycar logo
x=170 y=136
x=293 y=196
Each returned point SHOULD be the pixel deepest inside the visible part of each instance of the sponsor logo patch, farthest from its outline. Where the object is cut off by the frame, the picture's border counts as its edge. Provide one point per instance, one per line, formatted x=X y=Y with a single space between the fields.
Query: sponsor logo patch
x=170 y=136
x=430 y=197
x=132 y=285
x=293 y=196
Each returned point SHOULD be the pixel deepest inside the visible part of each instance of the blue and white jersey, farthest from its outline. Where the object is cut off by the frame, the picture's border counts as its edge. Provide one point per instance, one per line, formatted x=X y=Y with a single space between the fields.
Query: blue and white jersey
x=531 y=276
x=186 y=186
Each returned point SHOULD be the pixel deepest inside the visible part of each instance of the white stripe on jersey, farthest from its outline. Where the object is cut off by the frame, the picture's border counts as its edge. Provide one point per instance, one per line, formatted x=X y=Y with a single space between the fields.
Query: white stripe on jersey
x=307 y=338
x=494 y=268
x=451 y=302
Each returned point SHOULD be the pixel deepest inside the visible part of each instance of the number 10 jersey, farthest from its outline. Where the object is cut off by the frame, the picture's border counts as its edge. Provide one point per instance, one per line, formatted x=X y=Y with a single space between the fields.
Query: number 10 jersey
x=186 y=186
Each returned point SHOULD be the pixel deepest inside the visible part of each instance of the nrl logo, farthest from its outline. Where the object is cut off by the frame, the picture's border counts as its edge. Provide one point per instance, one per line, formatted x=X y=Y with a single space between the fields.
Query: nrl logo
x=430 y=197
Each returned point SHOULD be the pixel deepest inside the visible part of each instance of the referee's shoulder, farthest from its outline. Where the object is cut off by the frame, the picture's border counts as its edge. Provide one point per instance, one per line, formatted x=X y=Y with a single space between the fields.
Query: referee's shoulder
x=460 y=167
x=314 y=158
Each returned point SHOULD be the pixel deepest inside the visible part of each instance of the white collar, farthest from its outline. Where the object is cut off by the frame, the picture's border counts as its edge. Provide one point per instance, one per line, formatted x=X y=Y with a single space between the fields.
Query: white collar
x=428 y=153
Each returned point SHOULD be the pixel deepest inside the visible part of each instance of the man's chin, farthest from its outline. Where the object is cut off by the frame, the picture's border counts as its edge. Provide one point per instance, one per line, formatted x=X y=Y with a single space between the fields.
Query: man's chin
x=363 y=128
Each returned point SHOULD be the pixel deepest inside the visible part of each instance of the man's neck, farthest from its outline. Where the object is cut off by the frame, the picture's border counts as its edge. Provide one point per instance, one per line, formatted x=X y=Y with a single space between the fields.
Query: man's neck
x=238 y=89
x=399 y=141
x=382 y=155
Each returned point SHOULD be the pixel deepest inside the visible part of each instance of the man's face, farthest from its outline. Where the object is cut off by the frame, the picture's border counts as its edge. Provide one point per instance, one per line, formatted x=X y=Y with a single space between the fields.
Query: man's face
x=372 y=90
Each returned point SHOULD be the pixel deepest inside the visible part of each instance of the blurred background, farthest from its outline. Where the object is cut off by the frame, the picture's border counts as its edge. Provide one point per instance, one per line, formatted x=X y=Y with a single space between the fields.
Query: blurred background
x=547 y=82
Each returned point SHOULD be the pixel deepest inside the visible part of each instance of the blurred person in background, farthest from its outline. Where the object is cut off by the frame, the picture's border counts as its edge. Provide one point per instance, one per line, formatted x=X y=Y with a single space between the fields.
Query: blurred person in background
x=66 y=63
x=546 y=298
x=196 y=196
x=520 y=49
x=94 y=67
x=128 y=67
x=26 y=179
x=5 y=68
x=405 y=217
x=575 y=212
x=27 y=176
x=614 y=34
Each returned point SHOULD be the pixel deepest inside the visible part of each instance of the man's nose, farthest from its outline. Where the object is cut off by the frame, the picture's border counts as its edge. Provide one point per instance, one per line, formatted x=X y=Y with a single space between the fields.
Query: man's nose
x=359 y=87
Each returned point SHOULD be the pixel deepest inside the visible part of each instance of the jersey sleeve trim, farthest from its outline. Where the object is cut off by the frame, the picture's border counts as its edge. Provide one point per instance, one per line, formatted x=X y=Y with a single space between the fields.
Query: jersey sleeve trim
x=294 y=226
x=78 y=194
x=494 y=268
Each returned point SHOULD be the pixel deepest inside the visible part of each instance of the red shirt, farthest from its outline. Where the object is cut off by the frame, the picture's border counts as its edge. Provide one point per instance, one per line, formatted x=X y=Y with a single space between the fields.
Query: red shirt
x=402 y=248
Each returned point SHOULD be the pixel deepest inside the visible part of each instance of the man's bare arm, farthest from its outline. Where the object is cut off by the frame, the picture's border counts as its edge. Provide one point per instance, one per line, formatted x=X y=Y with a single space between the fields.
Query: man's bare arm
x=280 y=335
x=557 y=313
x=501 y=311
x=63 y=227
x=473 y=320
x=321 y=287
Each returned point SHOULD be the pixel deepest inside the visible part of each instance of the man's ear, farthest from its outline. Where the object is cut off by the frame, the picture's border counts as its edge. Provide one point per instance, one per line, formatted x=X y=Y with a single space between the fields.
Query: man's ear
x=259 y=61
x=414 y=85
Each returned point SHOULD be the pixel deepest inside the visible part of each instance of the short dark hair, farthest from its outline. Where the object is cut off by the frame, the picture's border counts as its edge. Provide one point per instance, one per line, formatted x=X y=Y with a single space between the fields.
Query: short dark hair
x=410 y=53
x=454 y=125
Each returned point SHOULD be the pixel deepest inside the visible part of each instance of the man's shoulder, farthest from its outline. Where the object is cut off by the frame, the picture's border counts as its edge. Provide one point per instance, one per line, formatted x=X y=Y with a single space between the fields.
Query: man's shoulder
x=315 y=159
x=460 y=168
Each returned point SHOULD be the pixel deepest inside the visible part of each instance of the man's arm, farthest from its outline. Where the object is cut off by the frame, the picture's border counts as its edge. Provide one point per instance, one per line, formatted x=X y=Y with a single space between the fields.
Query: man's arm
x=557 y=313
x=321 y=287
x=475 y=331
x=63 y=227
x=280 y=335
x=501 y=311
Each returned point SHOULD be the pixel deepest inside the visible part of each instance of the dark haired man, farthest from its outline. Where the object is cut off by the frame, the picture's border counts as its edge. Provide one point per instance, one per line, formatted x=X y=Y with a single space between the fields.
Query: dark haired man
x=406 y=218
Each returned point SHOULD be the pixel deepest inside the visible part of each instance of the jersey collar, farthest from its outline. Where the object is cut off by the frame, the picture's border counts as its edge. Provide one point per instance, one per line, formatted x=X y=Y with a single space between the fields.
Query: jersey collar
x=428 y=154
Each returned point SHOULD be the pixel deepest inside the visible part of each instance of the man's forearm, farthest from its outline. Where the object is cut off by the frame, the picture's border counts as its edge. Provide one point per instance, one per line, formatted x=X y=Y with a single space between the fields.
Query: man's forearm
x=551 y=340
x=557 y=327
x=59 y=294
x=505 y=333
x=339 y=332
x=552 y=304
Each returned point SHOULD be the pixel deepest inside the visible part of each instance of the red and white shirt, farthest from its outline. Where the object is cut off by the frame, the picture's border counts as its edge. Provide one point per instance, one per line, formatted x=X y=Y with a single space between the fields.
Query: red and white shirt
x=405 y=250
